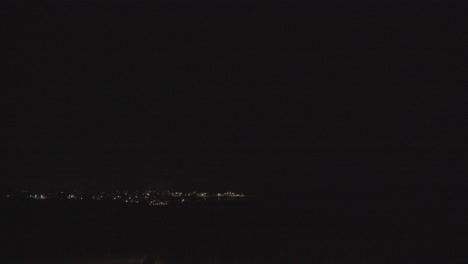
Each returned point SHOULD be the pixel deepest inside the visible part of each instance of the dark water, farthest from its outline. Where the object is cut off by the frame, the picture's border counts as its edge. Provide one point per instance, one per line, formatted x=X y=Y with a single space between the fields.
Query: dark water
x=46 y=232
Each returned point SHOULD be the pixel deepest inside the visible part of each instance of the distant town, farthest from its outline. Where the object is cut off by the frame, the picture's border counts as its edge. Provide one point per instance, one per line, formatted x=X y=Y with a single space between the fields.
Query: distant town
x=147 y=197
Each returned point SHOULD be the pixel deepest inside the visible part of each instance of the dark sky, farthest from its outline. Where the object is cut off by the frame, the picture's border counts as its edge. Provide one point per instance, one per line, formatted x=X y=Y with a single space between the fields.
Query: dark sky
x=245 y=95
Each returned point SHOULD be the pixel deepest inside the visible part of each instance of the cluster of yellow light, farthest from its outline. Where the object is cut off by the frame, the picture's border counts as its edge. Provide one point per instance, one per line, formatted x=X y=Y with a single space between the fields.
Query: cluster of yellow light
x=158 y=203
x=38 y=197
x=231 y=194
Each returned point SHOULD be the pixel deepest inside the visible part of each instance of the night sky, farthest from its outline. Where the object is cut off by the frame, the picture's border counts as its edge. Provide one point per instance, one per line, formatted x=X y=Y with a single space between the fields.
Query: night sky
x=247 y=96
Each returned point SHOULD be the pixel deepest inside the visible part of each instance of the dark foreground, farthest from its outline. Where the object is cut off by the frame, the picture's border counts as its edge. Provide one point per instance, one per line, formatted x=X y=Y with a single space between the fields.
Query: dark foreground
x=327 y=232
